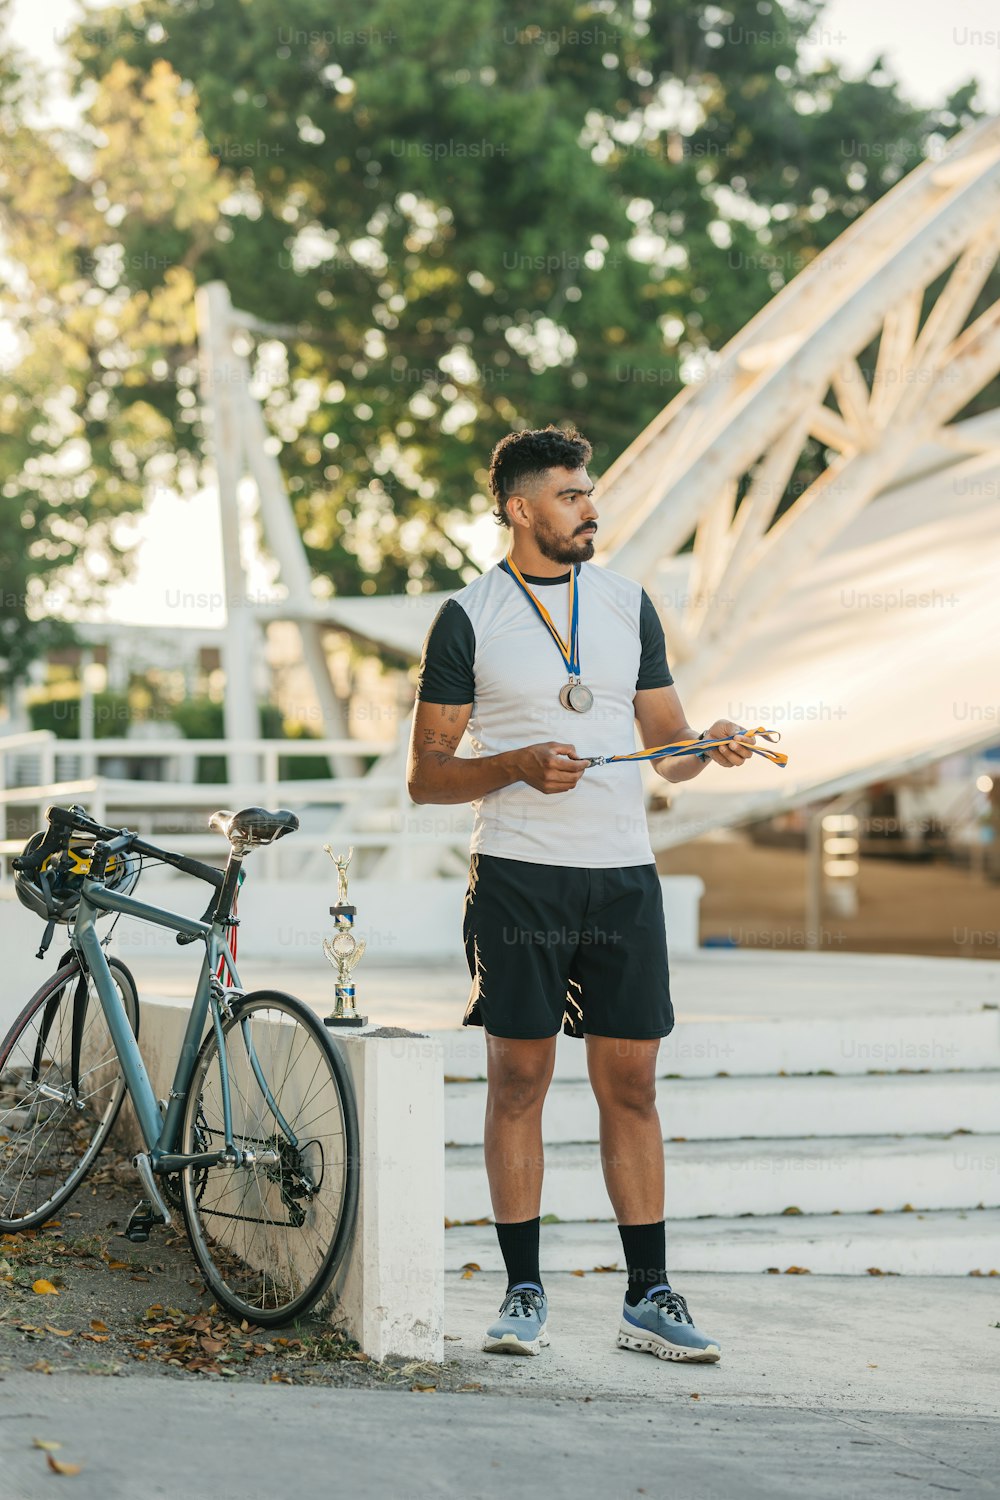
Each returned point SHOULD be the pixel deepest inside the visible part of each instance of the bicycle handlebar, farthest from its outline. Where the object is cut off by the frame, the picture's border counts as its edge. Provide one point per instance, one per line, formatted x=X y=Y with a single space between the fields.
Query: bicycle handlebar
x=182 y=862
x=71 y=820
x=75 y=818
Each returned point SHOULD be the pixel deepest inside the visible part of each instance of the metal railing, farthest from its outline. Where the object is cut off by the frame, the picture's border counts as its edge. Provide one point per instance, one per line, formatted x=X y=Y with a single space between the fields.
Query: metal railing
x=371 y=812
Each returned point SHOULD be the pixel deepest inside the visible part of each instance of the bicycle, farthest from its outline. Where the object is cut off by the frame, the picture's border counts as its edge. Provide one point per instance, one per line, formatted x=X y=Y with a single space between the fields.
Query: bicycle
x=257 y=1143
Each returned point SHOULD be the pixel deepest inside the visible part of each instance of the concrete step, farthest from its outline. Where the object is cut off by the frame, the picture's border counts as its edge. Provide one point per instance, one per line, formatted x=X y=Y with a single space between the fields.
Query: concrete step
x=708 y=1178
x=800 y=1043
x=723 y=1108
x=917 y=1244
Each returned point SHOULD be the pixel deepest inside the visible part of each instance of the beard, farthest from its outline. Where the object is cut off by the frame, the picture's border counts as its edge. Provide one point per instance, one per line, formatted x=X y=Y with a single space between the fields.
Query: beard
x=562 y=549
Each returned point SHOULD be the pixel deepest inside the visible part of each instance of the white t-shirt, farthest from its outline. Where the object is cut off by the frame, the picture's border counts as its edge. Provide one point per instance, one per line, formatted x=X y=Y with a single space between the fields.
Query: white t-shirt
x=488 y=647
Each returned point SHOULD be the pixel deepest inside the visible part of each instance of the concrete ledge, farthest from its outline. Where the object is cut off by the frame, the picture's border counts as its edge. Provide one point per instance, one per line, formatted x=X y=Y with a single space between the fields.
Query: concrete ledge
x=917 y=1244
x=844 y=1173
x=807 y=1042
x=774 y=1108
x=389 y=1291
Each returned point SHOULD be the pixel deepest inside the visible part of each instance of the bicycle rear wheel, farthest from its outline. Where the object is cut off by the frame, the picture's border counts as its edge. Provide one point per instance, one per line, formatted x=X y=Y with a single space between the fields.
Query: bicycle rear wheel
x=270 y=1232
x=61 y=1087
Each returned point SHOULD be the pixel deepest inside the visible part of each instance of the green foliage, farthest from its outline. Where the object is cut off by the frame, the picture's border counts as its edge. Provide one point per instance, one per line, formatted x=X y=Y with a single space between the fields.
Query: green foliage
x=96 y=405
x=500 y=214
x=61 y=715
x=197 y=718
x=202 y=719
x=489 y=213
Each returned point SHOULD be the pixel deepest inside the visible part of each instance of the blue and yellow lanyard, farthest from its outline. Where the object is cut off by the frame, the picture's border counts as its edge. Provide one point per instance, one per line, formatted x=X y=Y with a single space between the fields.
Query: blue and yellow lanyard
x=570 y=653
x=568 y=650
x=696 y=747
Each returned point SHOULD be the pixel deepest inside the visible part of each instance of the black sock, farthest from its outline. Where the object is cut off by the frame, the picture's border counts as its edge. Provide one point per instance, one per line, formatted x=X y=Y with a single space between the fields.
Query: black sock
x=645 y=1247
x=519 y=1248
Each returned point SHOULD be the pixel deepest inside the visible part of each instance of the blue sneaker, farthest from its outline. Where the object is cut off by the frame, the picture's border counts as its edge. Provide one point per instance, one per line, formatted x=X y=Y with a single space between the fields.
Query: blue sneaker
x=521 y=1326
x=660 y=1324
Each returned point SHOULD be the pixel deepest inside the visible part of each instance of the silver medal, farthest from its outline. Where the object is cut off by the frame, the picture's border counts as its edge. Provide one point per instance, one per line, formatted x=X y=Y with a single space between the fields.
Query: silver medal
x=576 y=697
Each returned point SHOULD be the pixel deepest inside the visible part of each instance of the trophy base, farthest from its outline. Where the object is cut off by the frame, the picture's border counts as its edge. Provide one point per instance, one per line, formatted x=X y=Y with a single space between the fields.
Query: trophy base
x=345 y=1020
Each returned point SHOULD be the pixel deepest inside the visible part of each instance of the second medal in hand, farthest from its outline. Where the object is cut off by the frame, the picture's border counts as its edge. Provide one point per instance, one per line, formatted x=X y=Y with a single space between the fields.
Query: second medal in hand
x=574 y=695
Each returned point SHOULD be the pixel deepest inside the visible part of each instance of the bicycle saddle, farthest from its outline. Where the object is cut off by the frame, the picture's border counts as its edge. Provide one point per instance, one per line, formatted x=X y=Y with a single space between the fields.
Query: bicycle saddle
x=253 y=825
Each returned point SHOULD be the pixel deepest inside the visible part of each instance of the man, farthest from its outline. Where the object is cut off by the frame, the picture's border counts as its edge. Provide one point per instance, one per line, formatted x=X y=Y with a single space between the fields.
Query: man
x=563 y=923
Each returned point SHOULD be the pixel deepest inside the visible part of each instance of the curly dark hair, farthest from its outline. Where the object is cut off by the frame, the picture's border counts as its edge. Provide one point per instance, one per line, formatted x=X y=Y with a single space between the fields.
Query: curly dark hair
x=523 y=455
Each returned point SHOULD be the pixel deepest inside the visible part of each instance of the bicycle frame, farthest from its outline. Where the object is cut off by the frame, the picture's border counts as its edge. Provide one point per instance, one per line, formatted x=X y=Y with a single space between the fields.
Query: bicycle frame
x=160 y=1132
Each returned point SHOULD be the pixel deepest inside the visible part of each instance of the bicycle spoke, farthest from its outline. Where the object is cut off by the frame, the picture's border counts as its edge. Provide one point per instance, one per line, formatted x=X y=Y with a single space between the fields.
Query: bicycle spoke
x=269 y=1231
x=47 y=1145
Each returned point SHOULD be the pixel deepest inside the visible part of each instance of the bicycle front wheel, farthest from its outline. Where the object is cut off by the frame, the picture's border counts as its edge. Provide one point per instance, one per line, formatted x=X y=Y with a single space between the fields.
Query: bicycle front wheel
x=270 y=1231
x=61 y=1087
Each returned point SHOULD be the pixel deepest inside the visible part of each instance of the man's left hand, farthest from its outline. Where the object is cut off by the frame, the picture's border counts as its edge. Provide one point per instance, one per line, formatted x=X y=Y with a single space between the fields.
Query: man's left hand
x=734 y=754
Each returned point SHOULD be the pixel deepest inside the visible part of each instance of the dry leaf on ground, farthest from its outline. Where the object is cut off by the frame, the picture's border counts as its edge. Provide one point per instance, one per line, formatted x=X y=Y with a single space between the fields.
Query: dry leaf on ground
x=58 y=1467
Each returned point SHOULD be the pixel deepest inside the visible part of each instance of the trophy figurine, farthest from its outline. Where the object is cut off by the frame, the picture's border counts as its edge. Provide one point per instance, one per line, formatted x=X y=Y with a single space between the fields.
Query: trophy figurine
x=344 y=950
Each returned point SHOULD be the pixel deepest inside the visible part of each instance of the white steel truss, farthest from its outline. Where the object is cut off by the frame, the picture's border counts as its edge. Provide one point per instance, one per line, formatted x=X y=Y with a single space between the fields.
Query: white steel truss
x=794 y=375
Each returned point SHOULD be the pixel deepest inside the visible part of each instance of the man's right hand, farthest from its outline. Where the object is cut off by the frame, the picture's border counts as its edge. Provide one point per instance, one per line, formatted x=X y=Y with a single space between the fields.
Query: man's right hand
x=436 y=774
x=550 y=766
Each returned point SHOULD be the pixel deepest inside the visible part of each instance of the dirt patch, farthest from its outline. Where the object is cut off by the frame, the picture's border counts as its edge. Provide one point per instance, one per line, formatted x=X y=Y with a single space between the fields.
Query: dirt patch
x=76 y=1296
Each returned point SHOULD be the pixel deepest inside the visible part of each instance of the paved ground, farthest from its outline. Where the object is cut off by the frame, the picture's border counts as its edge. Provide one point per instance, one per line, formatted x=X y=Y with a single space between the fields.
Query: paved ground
x=828 y=1388
x=713 y=985
x=254 y=1444
x=852 y=1344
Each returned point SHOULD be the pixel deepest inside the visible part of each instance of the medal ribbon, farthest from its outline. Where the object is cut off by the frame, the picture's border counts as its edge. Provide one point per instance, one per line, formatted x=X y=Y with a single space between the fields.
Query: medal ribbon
x=695 y=747
x=568 y=650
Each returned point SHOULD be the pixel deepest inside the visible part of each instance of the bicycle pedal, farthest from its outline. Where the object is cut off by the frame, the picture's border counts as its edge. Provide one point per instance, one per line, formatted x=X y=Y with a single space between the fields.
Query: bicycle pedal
x=142 y=1219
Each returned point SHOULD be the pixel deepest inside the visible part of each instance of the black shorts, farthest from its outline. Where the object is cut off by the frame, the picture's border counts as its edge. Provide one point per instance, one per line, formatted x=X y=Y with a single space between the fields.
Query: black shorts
x=553 y=946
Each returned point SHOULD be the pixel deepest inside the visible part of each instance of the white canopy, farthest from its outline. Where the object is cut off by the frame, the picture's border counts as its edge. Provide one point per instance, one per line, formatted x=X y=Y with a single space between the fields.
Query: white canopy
x=884 y=657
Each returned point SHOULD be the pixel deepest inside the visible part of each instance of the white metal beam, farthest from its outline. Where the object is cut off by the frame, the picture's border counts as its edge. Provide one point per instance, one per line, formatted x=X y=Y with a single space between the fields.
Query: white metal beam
x=666 y=518
x=219 y=370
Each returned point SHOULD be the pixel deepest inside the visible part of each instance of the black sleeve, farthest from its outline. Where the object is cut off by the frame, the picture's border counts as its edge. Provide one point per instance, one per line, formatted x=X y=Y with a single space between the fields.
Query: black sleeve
x=447 y=666
x=653 y=669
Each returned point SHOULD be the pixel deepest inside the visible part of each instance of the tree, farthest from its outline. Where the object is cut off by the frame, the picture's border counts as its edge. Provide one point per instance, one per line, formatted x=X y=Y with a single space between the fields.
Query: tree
x=488 y=214
x=96 y=405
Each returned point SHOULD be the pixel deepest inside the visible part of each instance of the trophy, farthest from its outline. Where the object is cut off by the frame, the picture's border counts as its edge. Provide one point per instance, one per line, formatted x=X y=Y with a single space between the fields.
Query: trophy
x=344 y=950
